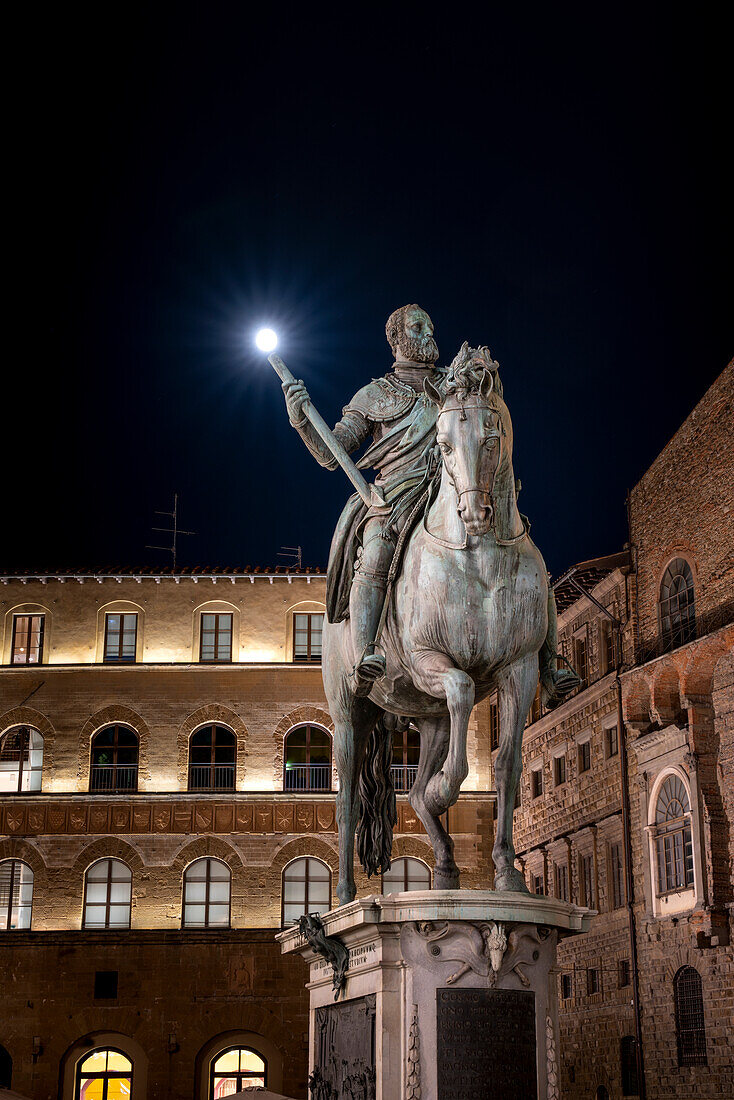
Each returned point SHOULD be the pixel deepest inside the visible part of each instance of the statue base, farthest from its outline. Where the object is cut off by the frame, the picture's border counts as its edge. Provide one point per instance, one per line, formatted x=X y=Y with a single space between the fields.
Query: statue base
x=449 y=995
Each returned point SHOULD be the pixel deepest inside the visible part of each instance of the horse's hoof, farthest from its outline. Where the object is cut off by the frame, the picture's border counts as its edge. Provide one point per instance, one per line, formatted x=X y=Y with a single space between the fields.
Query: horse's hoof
x=509 y=879
x=446 y=880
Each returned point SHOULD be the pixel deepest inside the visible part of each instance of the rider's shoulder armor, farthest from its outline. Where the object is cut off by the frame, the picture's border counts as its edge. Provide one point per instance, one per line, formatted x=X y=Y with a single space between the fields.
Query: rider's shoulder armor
x=382 y=399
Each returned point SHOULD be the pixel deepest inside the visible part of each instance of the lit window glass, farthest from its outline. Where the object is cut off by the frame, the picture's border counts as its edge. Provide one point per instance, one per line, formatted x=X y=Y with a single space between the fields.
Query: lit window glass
x=21 y=760
x=121 y=630
x=16 y=894
x=27 y=639
x=406 y=874
x=306 y=888
x=216 y=637
x=235 y=1070
x=108 y=895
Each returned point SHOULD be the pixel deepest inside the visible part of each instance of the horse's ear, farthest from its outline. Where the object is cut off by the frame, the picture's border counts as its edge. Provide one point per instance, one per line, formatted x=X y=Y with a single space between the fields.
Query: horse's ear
x=431 y=392
x=487 y=384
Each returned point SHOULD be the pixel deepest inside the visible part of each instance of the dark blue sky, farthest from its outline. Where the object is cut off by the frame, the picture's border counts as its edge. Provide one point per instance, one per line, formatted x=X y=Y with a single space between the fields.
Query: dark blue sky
x=553 y=187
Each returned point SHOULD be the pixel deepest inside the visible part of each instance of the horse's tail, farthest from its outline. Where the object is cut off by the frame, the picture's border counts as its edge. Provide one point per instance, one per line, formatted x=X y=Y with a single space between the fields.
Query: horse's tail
x=377 y=798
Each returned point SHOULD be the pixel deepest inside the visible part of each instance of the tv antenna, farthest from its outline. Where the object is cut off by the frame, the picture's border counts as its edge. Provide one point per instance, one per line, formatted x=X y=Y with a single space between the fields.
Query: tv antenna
x=294 y=553
x=175 y=530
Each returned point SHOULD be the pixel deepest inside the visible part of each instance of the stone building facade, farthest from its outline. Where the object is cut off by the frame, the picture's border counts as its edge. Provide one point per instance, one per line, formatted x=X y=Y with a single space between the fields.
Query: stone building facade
x=165 y=764
x=639 y=825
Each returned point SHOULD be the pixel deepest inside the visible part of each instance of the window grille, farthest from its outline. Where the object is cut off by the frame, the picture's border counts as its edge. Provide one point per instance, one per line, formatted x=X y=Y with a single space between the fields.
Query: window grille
x=581 y=657
x=677 y=605
x=306 y=888
x=307 y=631
x=104 y=1074
x=609 y=646
x=114 y=766
x=406 y=748
x=120 y=637
x=216 y=637
x=612 y=741
x=538 y=884
x=28 y=633
x=690 y=1028
x=307 y=760
x=212 y=759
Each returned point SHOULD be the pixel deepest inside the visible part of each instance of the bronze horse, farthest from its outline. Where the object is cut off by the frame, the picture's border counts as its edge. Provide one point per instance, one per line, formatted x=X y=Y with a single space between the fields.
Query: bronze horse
x=467 y=616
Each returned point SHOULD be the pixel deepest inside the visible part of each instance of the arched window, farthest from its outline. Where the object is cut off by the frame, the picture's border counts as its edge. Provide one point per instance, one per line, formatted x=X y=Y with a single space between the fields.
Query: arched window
x=406 y=874
x=307 y=759
x=104 y=1075
x=212 y=759
x=114 y=768
x=306 y=888
x=236 y=1069
x=689 y=1023
x=672 y=830
x=628 y=1065
x=108 y=888
x=406 y=749
x=21 y=760
x=677 y=604
x=6 y=1069
x=206 y=897
x=16 y=894
x=602 y=1093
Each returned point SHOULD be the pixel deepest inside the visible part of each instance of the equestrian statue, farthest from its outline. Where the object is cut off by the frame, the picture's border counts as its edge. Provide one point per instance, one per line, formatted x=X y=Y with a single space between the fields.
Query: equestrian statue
x=436 y=594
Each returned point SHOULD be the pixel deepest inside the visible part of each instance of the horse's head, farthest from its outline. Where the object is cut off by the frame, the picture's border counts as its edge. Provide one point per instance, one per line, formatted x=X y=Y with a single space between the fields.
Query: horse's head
x=471 y=434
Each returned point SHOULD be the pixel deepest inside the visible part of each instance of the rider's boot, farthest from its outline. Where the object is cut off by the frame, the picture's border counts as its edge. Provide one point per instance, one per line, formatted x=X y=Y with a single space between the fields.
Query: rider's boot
x=365 y=607
x=556 y=683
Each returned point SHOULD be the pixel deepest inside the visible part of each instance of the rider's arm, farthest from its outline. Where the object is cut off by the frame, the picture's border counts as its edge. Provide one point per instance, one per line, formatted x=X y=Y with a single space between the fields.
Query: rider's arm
x=351 y=431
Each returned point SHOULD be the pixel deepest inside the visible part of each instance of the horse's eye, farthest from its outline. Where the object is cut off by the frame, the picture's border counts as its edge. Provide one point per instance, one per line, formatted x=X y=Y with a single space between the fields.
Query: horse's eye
x=445 y=449
x=491 y=442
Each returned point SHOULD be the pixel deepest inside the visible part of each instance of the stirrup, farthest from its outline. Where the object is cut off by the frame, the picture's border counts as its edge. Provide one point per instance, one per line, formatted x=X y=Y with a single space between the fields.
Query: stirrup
x=369 y=668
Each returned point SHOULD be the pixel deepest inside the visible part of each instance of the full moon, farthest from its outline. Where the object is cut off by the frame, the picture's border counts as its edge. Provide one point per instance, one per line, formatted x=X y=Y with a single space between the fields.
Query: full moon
x=266 y=339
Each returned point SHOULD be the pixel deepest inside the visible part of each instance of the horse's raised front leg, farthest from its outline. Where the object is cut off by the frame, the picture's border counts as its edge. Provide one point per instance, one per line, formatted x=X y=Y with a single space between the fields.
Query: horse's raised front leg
x=435 y=674
x=435 y=735
x=353 y=723
x=516 y=688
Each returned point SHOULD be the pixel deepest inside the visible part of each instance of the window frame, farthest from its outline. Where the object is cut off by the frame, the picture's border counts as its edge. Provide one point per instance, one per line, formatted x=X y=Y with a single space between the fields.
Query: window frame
x=611 y=748
x=212 y=764
x=583 y=748
x=241 y=1084
x=207 y=926
x=30 y=615
x=669 y=830
x=559 y=764
x=617 y=892
x=310 y=788
x=6 y=912
x=494 y=721
x=678 y=632
x=593 y=981
x=114 y=788
x=108 y=904
x=693 y=1036
x=216 y=659
x=536 y=780
x=308 y=909
x=587 y=879
x=106 y=1076
x=309 y=659
x=560 y=877
x=28 y=731
x=406 y=877
x=566 y=982
x=119 y=658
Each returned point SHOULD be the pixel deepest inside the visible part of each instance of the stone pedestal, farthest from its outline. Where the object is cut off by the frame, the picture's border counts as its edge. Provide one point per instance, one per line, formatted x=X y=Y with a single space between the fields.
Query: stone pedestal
x=449 y=995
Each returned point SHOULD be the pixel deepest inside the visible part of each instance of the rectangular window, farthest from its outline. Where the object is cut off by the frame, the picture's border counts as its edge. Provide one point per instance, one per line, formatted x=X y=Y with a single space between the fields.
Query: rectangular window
x=494 y=723
x=216 y=637
x=675 y=860
x=559 y=770
x=566 y=987
x=586 y=874
x=616 y=872
x=538 y=884
x=307 y=630
x=536 y=782
x=584 y=756
x=561 y=877
x=593 y=981
x=609 y=646
x=27 y=639
x=612 y=741
x=120 y=637
x=581 y=657
x=624 y=974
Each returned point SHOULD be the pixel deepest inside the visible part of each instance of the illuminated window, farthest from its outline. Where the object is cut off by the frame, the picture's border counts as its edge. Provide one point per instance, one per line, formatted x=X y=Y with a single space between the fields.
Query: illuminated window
x=104 y=1075
x=16 y=894
x=21 y=760
x=207 y=889
x=216 y=637
x=406 y=874
x=677 y=605
x=212 y=759
x=108 y=888
x=306 y=888
x=307 y=630
x=406 y=750
x=689 y=1022
x=120 y=636
x=27 y=639
x=307 y=760
x=673 y=841
x=236 y=1069
x=114 y=767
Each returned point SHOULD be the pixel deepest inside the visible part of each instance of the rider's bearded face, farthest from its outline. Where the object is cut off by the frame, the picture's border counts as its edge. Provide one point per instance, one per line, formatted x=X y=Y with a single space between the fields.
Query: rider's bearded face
x=416 y=344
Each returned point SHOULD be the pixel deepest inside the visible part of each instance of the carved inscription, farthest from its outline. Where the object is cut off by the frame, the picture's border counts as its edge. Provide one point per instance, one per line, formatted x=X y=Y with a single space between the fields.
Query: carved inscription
x=486 y=1044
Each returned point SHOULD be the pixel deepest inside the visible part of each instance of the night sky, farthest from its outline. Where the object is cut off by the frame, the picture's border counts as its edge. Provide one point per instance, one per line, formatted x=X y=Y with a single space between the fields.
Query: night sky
x=551 y=186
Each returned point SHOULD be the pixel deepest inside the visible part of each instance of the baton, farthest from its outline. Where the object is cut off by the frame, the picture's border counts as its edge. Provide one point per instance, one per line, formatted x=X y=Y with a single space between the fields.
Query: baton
x=370 y=494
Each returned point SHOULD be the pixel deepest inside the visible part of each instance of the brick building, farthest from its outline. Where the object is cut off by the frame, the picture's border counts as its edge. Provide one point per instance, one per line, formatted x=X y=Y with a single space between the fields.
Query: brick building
x=166 y=803
x=627 y=797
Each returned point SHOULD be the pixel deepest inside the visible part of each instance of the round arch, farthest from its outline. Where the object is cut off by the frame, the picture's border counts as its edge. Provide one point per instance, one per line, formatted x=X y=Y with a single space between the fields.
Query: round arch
x=264 y=1045
x=211 y=714
x=121 y=607
x=29 y=608
x=102 y=1040
x=111 y=716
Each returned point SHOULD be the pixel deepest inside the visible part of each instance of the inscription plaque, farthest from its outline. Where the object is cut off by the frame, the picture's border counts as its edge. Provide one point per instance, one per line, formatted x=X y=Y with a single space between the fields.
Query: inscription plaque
x=486 y=1044
x=345 y=1053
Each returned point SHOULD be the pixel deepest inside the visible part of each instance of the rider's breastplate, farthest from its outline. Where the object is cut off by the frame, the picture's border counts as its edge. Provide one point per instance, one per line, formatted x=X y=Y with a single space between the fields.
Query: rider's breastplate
x=381 y=400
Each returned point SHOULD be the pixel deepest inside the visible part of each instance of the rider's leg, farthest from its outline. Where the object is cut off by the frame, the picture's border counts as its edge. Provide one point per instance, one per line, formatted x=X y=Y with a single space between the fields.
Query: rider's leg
x=366 y=601
x=556 y=683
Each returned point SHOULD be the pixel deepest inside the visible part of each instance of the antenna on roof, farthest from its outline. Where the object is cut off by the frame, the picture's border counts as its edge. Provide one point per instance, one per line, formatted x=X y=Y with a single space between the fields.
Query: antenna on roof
x=175 y=530
x=292 y=552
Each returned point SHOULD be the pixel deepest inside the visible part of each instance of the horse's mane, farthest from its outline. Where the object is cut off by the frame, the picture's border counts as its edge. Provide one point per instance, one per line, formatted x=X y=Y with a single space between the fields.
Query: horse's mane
x=467 y=371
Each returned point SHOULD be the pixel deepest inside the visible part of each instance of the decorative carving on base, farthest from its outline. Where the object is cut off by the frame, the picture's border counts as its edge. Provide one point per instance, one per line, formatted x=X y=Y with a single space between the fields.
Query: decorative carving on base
x=554 y=1092
x=413 y=1069
x=329 y=947
x=484 y=948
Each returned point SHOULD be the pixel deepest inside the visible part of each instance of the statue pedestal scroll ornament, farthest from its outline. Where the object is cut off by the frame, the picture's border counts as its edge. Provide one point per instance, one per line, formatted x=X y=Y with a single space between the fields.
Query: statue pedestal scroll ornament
x=436 y=597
